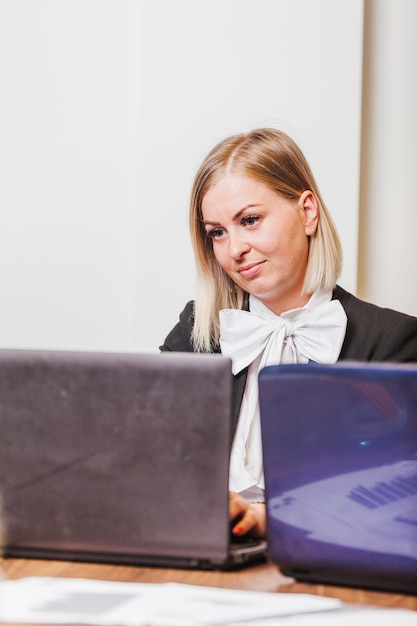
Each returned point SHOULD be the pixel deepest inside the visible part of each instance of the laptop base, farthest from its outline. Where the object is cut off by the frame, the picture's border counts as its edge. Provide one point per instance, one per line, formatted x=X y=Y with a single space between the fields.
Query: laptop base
x=242 y=555
x=336 y=580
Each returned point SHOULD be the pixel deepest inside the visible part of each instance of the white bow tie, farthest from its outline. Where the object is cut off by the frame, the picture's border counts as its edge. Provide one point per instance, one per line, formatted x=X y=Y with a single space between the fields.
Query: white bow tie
x=316 y=334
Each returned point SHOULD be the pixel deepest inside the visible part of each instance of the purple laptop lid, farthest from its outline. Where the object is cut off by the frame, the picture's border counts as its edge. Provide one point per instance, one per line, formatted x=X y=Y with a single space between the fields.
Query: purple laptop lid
x=340 y=461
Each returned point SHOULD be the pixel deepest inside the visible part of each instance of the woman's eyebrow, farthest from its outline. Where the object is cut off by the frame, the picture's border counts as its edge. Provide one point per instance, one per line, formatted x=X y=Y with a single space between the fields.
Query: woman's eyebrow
x=211 y=223
x=235 y=217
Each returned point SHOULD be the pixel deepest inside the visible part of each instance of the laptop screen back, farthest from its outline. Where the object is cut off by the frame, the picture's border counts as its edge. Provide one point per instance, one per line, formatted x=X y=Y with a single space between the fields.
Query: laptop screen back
x=115 y=456
x=340 y=460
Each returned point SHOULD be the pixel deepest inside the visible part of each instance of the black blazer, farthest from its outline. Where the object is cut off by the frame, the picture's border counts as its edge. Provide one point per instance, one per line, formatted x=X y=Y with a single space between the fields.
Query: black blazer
x=373 y=334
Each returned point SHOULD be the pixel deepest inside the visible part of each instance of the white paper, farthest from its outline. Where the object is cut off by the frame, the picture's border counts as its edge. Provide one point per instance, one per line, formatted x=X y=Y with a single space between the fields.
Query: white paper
x=205 y=606
x=371 y=616
x=103 y=603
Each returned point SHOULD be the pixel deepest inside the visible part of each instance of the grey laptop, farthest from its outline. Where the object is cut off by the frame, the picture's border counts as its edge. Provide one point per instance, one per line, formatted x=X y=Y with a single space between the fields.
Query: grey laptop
x=340 y=461
x=118 y=458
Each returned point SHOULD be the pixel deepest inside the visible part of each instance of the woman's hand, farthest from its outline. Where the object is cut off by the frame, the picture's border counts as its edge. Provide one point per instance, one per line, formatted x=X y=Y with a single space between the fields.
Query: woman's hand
x=247 y=518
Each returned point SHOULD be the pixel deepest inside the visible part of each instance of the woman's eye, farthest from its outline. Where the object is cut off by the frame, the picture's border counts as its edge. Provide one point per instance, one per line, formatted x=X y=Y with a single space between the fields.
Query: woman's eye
x=215 y=233
x=250 y=220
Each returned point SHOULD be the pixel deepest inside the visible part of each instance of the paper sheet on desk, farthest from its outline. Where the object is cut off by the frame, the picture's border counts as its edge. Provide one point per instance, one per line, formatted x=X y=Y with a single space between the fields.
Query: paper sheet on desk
x=104 y=603
x=371 y=616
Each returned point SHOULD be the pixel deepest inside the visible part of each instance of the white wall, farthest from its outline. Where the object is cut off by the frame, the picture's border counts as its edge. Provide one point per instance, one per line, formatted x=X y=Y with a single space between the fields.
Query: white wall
x=68 y=163
x=388 y=252
x=108 y=107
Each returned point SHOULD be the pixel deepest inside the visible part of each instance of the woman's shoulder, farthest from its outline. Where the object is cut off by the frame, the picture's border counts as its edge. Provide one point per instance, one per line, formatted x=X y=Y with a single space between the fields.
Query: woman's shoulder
x=179 y=338
x=354 y=304
x=376 y=333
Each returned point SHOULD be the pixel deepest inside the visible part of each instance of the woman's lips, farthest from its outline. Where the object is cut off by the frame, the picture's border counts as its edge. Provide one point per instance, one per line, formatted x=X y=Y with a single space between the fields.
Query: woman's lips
x=250 y=270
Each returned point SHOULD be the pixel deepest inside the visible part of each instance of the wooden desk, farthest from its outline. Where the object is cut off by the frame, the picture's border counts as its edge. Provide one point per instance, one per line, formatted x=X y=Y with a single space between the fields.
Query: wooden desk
x=259 y=578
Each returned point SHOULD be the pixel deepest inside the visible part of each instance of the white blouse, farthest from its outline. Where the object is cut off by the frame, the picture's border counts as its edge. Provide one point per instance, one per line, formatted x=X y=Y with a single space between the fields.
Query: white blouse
x=280 y=343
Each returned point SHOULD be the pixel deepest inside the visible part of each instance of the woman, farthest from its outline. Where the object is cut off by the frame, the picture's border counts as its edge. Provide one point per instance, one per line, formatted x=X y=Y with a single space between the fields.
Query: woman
x=268 y=257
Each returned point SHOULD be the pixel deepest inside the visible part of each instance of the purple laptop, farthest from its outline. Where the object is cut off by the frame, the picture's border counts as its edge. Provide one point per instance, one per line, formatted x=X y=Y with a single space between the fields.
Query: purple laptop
x=340 y=461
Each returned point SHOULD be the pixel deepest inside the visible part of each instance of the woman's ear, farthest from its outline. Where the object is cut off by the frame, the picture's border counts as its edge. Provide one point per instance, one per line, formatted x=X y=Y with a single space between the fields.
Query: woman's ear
x=309 y=205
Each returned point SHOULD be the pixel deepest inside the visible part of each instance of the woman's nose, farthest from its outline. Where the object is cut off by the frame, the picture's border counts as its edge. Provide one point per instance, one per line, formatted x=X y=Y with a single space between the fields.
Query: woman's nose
x=238 y=246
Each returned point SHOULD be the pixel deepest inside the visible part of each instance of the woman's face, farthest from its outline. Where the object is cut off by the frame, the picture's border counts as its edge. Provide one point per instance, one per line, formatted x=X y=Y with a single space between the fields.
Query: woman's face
x=260 y=238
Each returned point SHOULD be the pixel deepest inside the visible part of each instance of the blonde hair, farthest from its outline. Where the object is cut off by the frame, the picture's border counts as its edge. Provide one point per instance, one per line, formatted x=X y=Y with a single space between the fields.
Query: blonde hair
x=274 y=159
